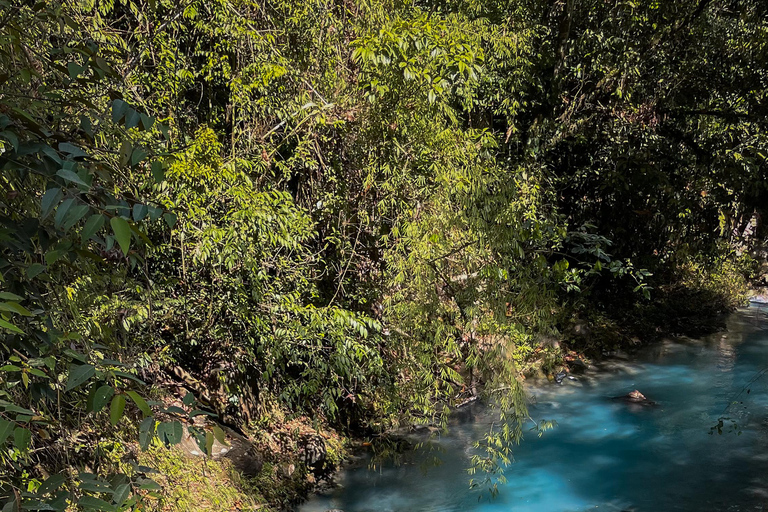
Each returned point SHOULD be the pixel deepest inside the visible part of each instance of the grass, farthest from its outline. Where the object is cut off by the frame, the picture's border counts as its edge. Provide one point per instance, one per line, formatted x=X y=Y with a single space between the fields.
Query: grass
x=200 y=484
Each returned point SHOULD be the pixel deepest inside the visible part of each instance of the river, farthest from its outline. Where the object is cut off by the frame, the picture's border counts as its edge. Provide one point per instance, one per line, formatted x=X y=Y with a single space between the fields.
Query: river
x=605 y=454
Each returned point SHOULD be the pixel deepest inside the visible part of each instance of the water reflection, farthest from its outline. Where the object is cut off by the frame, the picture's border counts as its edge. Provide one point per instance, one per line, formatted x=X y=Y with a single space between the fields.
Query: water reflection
x=605 y=455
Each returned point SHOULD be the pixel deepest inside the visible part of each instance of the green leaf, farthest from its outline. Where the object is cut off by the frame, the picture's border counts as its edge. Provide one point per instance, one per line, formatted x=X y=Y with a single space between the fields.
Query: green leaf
x=140 y=403
x=35 y=270
x=157 y=171
x=121 y=494
x=9 y=407
x=147 y=122
x=132 y=118
x=21 y=438
x=220 y=436
x=171 y=433
x=119 y=108
x=122 y=231
x=90 y=482
x=139 y=212
x=52 y=257
x=86 y=125
x=137 y=156
x=116 y=409
x=79 y=374
x=92 y=225
x=146 y=431
x=50 y=199
x=178 y=432
x=209 y=438
x=100 y=397
x=14 y=307
x=170 y=219
x=72 y=150
x=188 y=399
x=9 y=326
x=125 y=152
x=61 y=211
x=91 y=503
x=75 y=214
x=6 y=427
x=199 y=436
x=78 y=356
x=74 y=69
x=10 y=296
x=165 y=130
x=39 y=506
x=12 y=138
x=155 y=213
x=149 y=484
x=72 y=176
x=52 y=483
x=129 y=376
x=59 y=502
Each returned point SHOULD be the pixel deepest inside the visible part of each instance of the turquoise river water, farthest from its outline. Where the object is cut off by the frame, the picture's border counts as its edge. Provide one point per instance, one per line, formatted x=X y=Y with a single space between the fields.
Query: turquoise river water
x=605 y=454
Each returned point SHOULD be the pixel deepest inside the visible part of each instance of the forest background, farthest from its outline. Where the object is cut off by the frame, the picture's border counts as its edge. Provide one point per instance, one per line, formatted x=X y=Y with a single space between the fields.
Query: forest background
x=297 y=224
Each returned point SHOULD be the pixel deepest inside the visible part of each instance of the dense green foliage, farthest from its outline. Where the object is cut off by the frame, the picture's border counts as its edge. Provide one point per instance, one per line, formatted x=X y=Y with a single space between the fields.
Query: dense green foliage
x=365 y=212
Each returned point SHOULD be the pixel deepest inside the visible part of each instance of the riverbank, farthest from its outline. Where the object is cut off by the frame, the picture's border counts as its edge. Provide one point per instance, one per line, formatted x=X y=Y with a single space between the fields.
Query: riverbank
x=601 y=448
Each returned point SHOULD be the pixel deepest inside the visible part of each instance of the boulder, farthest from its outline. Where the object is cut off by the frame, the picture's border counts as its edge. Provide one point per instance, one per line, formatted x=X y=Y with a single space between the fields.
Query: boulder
x=313 y=452
x=244 y=455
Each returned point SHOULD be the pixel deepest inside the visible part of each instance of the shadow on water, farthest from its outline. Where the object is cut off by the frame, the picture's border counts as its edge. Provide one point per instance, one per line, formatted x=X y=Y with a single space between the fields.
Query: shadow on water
x=606 y=454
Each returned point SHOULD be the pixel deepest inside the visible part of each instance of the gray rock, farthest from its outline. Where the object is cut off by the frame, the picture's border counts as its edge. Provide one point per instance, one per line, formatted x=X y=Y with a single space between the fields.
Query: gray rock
x=245 y=457
x=313 y=451
x=243 y=453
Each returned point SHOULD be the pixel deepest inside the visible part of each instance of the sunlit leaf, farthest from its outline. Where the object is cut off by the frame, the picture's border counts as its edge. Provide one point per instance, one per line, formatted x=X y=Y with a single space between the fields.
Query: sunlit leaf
x=116 y=409
x=140 y=403
x=122 y=231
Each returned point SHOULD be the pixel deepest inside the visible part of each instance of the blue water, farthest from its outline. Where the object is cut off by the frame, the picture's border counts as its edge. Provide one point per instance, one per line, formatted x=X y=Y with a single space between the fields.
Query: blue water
x=605 y=454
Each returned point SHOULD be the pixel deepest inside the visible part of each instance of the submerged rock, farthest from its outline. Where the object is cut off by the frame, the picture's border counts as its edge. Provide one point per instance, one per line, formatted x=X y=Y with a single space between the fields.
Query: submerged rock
x=577 y=365
x=635 y=397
